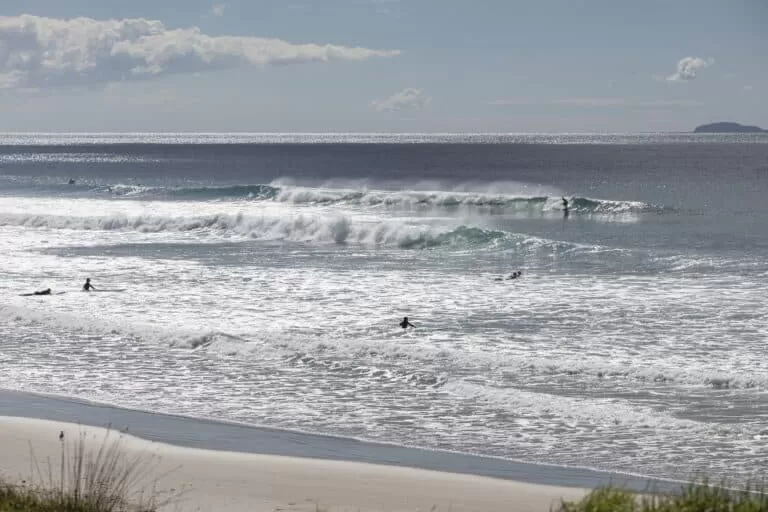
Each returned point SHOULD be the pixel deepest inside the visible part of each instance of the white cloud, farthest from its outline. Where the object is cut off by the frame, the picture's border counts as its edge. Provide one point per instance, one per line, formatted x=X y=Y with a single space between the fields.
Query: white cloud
x=48 y=52
x=385 y=6
x=218 y=9
x=11 y=79
x=408 y=98
x=688 y=68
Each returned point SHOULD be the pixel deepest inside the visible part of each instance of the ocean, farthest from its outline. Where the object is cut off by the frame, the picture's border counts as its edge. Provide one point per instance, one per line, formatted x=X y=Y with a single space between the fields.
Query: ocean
x=261 y=278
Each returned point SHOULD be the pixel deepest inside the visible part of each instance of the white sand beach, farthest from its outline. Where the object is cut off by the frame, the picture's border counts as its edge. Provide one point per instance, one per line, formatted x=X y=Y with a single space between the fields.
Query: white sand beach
x=230 y=481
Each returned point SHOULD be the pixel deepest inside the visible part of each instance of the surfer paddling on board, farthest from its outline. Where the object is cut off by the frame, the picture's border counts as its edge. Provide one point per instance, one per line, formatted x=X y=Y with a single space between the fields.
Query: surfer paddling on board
x=405 y=323
x=88 y=286
x=47 y=291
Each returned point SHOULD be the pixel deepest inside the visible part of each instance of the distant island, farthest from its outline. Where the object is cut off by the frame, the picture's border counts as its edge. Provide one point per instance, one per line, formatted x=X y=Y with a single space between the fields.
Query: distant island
x=726 y=127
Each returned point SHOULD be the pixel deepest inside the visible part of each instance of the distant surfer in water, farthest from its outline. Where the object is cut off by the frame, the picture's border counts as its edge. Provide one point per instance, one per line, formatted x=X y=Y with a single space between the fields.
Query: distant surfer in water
x=71 y=181
x=47 y=291
x=405 y=323
x=565 y=207
x=514 y=275
x=88 y=286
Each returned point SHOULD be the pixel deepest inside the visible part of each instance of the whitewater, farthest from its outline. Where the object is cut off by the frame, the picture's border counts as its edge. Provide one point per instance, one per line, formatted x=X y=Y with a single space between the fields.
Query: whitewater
x=265 y=276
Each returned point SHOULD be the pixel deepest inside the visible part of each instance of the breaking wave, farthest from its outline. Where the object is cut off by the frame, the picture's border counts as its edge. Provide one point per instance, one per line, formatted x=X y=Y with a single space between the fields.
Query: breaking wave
x=332 y=228
x=489 y=198
x=204 y=193
x=407 y=199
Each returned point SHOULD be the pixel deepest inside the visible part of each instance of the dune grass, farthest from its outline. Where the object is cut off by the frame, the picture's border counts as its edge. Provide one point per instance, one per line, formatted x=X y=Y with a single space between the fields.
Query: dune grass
x=107 y=479
x=100 y=479
x=701 y=497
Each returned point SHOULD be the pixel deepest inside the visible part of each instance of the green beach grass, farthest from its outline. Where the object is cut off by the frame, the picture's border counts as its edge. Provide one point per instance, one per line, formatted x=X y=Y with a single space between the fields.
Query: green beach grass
x=701 y=497
x=107 y=479
x=85 y=479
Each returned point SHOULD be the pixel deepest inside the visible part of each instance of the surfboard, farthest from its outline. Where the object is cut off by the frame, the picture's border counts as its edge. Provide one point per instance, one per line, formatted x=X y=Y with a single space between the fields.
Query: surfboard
x=106 y=290
x=39 y=295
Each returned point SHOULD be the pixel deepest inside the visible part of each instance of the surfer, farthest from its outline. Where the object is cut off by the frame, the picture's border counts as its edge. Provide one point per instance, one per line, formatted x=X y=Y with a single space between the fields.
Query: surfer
x=405 y=323
x=47 y=291
x=71 y=181
x=88 y=286
x=514 y=275
x=565 y=207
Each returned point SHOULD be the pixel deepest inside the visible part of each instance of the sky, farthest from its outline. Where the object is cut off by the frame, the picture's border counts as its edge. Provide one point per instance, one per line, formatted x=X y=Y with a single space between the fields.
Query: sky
x=397 y=66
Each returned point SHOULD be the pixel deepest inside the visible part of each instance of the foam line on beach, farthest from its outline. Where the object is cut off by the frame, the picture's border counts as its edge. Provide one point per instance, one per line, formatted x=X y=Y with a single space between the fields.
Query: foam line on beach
x=232 y=437
x=216 y=480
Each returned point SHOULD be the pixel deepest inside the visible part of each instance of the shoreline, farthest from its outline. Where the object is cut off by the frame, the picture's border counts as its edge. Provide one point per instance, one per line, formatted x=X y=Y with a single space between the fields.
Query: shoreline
x=185 y=479
x=221 y=436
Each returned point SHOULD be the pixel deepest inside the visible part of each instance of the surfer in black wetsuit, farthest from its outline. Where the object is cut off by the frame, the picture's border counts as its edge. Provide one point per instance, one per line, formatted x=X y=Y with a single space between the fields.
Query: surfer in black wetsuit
x=47 y=291
x=405 y=323
x=514 y=275
x=565 y=207
x=88 y=286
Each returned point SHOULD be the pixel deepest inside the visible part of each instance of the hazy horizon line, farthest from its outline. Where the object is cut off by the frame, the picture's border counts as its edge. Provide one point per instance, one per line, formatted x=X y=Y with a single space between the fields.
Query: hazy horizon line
x=467 y=133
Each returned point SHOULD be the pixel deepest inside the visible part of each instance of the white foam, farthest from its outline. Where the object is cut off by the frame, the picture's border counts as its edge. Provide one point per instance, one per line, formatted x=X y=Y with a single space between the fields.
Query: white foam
x=561 y=365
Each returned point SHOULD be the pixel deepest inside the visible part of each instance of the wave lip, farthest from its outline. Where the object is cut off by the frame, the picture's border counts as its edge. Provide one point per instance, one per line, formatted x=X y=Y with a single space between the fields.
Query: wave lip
x=392 y=199
x=121 y=190
x=587 y=205
x=333 y=228
x=454 y=200
x=360 y=196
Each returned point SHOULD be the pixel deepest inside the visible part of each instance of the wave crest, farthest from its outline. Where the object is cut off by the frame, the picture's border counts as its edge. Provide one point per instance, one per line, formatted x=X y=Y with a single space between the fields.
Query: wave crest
x=406 y=199
x=333 y=228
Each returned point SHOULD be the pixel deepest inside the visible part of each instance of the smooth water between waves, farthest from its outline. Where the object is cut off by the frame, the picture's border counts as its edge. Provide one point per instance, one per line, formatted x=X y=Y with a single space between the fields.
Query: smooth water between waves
x=634 y=341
